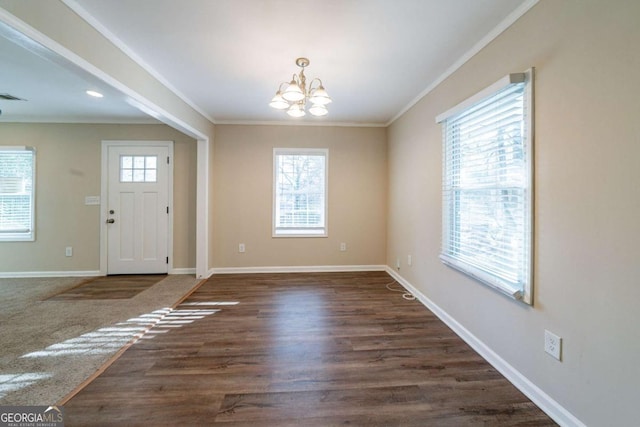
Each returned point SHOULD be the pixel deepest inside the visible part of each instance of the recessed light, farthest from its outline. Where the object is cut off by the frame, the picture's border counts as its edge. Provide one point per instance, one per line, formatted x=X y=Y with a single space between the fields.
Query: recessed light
x=94 y=94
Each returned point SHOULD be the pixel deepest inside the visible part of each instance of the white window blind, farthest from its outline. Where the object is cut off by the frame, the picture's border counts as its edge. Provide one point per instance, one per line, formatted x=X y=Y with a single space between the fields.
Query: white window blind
x=487 y=187
x=300 y=191
x=17 y=195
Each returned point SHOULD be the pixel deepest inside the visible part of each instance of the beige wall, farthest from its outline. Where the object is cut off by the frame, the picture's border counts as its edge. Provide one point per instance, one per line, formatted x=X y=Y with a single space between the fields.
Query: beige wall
x=68 y=169
x=53 y=24
x=587 y=199
x=243 y=171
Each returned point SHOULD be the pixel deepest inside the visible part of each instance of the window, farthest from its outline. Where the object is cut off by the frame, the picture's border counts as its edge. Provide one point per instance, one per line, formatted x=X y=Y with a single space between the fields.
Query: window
x=17 y=191
x=487 y=186
x=300 y=192
x=138 y=168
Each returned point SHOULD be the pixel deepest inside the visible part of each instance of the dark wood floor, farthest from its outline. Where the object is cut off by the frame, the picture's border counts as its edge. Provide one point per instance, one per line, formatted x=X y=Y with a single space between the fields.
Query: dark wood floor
x=110 y=287
x=301 y=350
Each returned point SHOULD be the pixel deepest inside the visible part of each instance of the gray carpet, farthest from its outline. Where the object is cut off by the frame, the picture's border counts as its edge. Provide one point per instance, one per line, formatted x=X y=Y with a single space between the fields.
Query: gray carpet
x=50 y=347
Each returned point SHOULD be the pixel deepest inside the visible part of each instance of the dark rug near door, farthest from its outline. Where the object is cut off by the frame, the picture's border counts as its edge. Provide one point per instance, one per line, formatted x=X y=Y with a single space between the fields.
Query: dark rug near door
x=110 y=287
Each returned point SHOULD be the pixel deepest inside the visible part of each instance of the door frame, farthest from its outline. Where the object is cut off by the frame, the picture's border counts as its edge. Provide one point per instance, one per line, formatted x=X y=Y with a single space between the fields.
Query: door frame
x=104 y=180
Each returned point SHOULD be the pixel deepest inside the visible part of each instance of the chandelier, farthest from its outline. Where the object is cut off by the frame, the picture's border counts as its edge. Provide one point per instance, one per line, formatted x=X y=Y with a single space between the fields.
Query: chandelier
x=295 y=95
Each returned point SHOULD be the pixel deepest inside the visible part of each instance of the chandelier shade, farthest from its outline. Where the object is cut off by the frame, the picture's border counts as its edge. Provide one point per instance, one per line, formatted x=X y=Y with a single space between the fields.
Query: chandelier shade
x=318 y=110
x=278 y=102
x=296 y=110
x=320 y=96
x=295 y=95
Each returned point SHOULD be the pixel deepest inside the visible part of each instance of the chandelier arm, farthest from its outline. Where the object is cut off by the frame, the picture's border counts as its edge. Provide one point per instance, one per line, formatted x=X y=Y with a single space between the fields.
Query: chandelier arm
x=281 y=84
x=311 y=84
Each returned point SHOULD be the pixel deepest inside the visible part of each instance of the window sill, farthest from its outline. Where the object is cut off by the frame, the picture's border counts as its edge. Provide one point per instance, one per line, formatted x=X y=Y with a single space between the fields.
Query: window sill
x=484 y=278
x=299 y=233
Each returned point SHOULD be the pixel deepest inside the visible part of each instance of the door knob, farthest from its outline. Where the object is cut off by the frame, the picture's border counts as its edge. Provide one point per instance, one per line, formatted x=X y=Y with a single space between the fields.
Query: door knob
x=111 y=221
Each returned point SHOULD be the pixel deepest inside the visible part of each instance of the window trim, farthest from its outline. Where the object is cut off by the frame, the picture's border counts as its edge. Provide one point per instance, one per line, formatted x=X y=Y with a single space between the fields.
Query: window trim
x=300 y=231
x=525 y=294
x=29 y=235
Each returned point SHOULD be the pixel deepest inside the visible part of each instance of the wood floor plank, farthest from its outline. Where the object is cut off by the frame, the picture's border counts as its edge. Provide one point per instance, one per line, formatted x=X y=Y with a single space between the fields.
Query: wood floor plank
x=317 y=349
x=109 y=287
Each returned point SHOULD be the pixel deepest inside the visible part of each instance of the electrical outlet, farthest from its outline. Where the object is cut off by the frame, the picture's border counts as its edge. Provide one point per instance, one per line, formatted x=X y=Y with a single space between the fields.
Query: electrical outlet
x=408 y=259
x=552 y=344
x=68 y=251
x=241 y=248
x=343 y=247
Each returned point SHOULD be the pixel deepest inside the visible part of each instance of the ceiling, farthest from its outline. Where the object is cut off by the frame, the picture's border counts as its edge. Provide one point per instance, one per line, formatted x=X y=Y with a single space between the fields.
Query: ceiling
x=227 y=58
x=52 y=90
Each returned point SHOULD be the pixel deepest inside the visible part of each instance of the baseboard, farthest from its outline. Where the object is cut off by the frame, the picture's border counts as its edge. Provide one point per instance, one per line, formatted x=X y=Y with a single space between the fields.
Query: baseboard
x=182 y=271
x=299 y=269
x=27 y=274
x=547 y=404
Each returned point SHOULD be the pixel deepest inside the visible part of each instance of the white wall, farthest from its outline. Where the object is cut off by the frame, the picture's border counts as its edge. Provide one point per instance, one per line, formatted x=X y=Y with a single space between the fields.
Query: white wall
x=587 y=205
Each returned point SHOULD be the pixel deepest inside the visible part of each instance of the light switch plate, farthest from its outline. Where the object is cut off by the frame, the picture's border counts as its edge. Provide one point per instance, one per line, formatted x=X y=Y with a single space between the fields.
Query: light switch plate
x=92 y=200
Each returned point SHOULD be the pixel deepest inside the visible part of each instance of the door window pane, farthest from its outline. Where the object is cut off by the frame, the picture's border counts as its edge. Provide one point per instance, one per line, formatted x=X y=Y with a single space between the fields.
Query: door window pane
x=138 y=168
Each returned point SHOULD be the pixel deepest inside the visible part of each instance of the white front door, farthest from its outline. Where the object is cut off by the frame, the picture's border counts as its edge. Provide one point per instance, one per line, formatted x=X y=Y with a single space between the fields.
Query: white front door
x=137 y=208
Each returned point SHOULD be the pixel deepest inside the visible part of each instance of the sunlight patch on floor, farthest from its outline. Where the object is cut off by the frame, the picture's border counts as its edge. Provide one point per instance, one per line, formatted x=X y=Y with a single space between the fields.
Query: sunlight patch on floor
x=13 y=382
x=105 y=340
